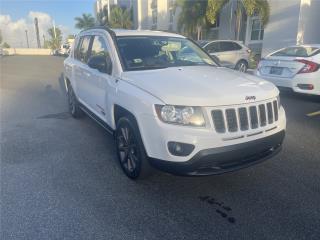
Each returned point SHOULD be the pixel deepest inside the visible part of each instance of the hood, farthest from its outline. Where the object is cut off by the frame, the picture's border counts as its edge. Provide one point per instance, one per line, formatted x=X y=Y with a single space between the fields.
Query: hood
x=201 y=85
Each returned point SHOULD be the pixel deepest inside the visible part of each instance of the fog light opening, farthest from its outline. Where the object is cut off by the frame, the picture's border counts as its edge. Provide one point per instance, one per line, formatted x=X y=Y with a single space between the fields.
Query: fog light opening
x=180 y=149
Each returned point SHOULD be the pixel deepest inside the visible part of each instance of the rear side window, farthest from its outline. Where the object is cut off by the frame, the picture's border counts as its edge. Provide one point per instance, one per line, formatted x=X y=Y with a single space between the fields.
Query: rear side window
x=82 y=49
x=227 y=46
x=236 y=46
x=297 y=52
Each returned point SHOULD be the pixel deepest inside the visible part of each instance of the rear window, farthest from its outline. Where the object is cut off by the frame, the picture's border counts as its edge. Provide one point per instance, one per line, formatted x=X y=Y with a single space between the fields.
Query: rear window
x=297 y=52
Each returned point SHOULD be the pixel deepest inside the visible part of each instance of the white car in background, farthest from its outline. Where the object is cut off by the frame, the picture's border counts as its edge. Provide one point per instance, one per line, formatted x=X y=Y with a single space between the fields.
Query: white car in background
x=296 y=67
x=231 y=54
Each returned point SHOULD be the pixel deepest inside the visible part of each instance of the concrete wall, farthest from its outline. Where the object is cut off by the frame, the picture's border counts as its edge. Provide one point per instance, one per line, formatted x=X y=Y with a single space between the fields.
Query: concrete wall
x=26 y=51
x=282 y=28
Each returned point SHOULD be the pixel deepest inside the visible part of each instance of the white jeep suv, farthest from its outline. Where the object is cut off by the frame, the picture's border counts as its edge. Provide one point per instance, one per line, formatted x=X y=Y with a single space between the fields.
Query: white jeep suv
x=171 y=108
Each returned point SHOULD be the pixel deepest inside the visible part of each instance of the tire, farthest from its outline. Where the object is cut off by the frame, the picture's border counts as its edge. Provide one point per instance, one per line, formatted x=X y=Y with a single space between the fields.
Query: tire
x=130 y=149
x=73 y=103
x=242 y=66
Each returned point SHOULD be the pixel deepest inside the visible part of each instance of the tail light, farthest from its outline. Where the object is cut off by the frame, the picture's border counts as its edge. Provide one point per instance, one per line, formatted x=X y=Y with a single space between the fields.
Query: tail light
x=308 y=66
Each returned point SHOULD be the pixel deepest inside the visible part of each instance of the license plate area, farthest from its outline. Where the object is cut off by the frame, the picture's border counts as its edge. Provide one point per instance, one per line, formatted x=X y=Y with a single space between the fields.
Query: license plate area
x=276 y=70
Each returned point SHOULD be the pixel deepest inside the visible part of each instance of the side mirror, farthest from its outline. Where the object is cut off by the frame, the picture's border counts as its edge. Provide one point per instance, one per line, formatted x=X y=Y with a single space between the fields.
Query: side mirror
x=101 y=63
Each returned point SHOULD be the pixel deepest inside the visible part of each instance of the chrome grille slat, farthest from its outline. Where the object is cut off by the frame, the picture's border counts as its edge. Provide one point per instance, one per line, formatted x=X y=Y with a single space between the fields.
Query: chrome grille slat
x=244 y=118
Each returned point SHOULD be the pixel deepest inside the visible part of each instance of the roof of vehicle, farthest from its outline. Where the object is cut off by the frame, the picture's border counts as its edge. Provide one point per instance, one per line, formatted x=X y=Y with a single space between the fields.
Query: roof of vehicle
x=305 y=45
x=126 y=32
x=207 y=42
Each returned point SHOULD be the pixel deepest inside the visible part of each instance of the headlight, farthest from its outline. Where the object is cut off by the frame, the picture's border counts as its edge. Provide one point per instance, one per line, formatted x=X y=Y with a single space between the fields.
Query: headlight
x=279 y=102
x=183 y=115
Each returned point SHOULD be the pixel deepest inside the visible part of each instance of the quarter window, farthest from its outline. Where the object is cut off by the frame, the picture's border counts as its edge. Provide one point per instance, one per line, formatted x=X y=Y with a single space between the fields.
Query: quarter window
x=227 y=46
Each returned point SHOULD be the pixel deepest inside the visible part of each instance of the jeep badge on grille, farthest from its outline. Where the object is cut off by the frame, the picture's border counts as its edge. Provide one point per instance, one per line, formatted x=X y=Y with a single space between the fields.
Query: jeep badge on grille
x=250 y=98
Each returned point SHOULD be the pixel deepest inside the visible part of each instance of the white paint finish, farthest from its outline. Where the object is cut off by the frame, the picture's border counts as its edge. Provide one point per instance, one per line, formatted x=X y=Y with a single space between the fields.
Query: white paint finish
x=122 y=32
x=200 y=85
x=204 y=86
x=290 y=76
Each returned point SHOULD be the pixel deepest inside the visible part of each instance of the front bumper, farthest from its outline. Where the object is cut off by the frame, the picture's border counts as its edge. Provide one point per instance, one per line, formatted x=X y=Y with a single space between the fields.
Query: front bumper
x=224 y=159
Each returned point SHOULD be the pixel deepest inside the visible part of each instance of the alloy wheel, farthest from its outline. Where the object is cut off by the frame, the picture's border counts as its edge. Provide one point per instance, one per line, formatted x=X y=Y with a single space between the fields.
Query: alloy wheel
x=127 y=150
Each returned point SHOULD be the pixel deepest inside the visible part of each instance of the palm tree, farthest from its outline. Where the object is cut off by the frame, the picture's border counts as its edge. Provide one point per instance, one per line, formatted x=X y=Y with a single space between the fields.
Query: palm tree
x=196 y=14
x=244 y=7
x=192 y=18
x=120 y=18
x=55 y=38
x=85 y=21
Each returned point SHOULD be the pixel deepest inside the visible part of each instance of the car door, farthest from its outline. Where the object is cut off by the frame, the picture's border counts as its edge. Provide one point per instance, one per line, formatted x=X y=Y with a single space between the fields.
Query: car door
x=82 y=70
x=228 y=57
x=99 y=81
x=213 y=49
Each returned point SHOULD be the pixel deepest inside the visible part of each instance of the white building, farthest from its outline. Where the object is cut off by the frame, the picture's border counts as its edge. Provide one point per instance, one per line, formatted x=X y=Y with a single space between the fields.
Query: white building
x=147 y=14
x=291 y=22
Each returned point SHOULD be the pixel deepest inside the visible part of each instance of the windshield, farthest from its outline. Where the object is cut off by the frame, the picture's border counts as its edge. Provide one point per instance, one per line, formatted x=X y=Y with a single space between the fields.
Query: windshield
x=153 y=52
x=296 y=52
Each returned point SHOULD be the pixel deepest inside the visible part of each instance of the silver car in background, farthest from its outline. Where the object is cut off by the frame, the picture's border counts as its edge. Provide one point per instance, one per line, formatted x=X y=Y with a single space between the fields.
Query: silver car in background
x=231 y=54
x=295 y=67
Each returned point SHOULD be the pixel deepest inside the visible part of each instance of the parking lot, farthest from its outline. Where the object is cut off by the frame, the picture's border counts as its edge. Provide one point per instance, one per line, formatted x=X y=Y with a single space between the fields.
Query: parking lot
x=60 y=178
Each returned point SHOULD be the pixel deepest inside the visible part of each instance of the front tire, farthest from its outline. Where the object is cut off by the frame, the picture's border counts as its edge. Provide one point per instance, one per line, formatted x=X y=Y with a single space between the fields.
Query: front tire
x=242 y=66
x=130 y=150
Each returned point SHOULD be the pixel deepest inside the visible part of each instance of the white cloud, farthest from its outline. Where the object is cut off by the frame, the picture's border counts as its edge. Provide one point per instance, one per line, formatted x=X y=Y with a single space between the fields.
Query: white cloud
x=13 y=32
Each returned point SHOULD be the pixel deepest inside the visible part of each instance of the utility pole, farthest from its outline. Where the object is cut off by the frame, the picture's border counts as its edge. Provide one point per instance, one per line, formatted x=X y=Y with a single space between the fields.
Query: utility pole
x=37 y=32
x=54 y=30
x=44 y=40
x=108 y=10
x=27 y=38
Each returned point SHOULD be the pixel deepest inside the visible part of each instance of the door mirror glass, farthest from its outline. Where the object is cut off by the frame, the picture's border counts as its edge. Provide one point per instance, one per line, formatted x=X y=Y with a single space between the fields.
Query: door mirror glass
x=101 y=63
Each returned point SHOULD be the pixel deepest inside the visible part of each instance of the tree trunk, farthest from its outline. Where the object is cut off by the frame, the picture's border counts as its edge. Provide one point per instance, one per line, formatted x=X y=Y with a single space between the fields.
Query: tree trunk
x=198 y=32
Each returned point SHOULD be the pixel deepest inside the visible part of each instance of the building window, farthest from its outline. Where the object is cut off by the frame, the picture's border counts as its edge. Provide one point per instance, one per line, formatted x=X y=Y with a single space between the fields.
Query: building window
x=257 y=30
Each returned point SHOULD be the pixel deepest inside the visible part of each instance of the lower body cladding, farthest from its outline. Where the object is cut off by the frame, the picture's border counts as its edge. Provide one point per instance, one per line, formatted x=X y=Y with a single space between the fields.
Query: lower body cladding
x=190 y=151
x=225 y=159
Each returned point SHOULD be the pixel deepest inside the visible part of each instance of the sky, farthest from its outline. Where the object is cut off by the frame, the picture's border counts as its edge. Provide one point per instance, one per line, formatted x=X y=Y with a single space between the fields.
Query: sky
x=16 y=16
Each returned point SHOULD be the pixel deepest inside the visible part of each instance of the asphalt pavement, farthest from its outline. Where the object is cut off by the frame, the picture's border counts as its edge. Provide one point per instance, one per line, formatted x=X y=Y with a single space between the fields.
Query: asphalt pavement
x=60 y=178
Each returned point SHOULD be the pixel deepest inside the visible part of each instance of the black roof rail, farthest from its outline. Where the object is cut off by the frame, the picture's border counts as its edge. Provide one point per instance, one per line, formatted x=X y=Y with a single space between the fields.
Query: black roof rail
x=109 y=30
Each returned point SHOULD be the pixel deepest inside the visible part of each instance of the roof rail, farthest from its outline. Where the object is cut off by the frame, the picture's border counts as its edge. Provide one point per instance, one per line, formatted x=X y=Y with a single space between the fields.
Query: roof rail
x=109 y=30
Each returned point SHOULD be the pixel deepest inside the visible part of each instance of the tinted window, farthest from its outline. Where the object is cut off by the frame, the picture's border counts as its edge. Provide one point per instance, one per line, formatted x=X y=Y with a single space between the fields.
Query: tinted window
x=213 y=47
x=236 y=46
x=227 y=46
x=297 y=52
x=82 y=52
